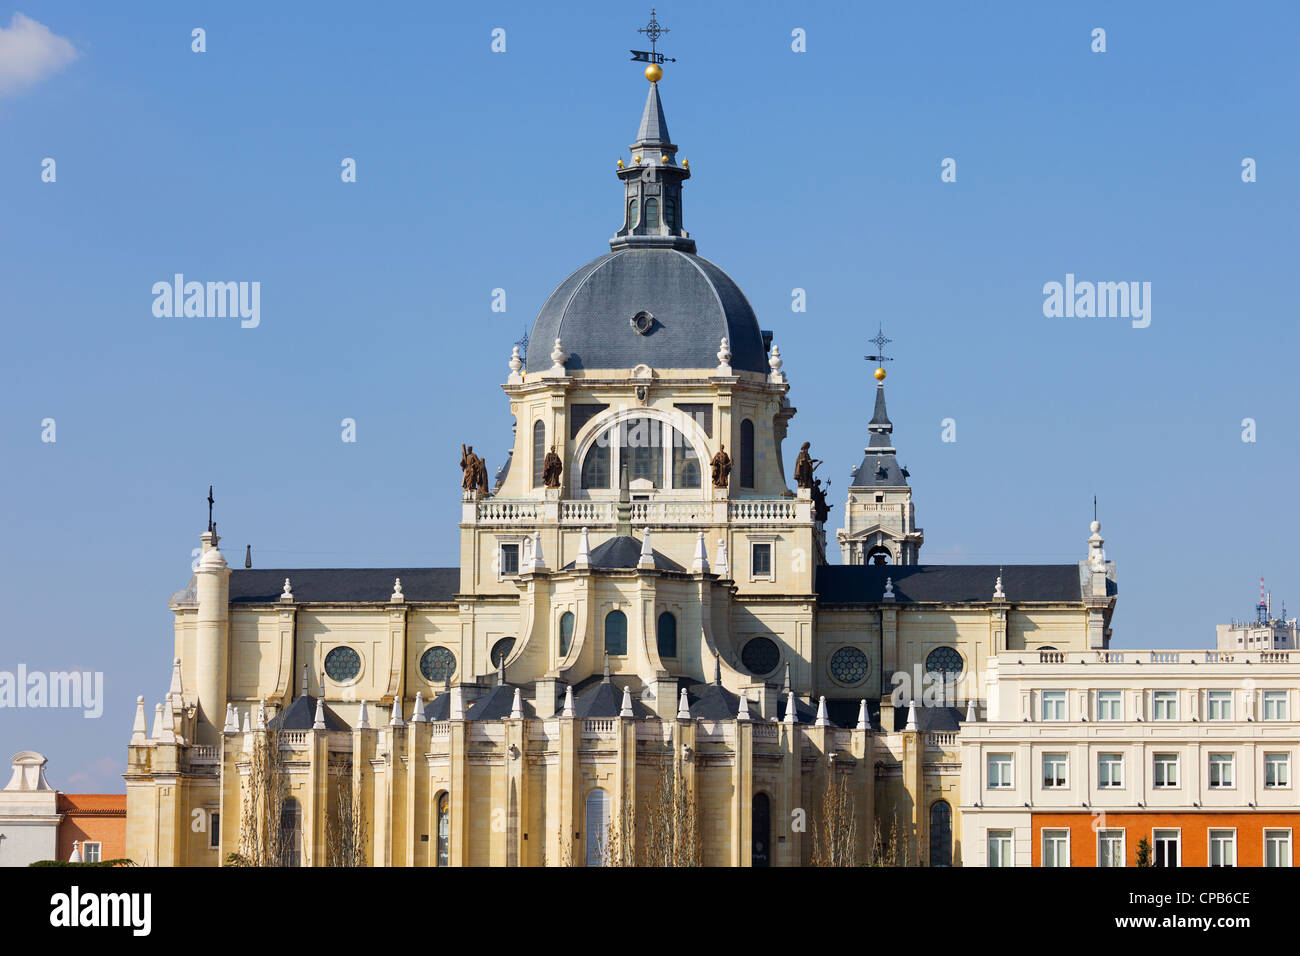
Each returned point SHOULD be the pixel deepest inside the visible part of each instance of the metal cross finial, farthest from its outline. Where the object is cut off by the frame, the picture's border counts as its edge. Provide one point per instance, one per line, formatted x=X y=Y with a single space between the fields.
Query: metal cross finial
x=522 y=342
x=653 y=30
x=210 y=503
x=880 y=343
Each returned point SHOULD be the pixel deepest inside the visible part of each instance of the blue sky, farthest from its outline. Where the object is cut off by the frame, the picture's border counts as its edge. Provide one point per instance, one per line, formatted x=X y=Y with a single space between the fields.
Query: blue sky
x=479 y=170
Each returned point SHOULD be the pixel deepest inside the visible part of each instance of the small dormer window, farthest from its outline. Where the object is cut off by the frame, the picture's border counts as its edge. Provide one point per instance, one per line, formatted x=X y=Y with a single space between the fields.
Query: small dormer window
x=652 y=213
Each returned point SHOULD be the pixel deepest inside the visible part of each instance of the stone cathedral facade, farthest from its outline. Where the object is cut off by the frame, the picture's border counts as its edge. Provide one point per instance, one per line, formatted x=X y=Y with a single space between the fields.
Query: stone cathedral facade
x=664 y=605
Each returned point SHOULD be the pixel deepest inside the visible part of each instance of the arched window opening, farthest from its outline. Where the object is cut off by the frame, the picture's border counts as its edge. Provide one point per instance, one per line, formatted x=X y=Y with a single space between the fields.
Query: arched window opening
x=686 y=464
x=666 y=635
x=761 y=831
x=940 y=833
x=616 y=634
x=539 y=452
x=670 y=213
x=879 y=555
x=290 y=832
x=596 y=827
x=632 y=210
x=595 y=466
x=444 y=830
x=747 y=454
x=652 y=213
x=566 y=633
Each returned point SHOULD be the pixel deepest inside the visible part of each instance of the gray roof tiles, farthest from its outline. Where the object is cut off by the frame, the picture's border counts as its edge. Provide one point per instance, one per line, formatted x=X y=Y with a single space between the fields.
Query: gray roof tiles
x=343 y=585
x=948 y=583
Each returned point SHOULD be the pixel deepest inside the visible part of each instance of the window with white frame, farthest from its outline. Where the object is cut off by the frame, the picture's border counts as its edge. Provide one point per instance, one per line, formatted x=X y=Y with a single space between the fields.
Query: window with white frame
x=1054 y=771
x=1110 y=847
x=1000 y=767
x=1110 y=771
x=1053 y=705
x=1277 y=847
x=1000 y=848
x=1218 y=704
x=508 y=558
x=1277 y=771
x=1164 y=771
x=1223 y=848
x=1164 y=705
x=90 y=852
x=760 y=560
x=1221 y=767
x=1275 y=705
x=1056 y=848
x=1110 y=705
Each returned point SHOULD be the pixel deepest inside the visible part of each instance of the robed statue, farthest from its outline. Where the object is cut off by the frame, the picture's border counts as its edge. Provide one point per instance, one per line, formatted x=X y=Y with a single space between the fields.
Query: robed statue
x=721 y=463
x=804 y=466
x=473 y=471
x=821 y=510
x=552 y=468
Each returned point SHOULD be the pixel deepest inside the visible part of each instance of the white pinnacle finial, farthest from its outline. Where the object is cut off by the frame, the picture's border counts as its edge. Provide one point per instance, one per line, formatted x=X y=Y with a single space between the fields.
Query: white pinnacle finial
x=517 y=706
x=647 y=559
x=911 y=715
x=775 y=362
x=457 y=703
x=701 y=560
x=862 y=714
x=724 y=358
x=417 y=715
x=363 y=718
x=139 y=736
x=822 y=719
x=998 y=593
x=568 y=701
x=538 y=561
x=232 y=720
x=157 y=723
x=742 y=711
x=683 y=707
x=287 y=594
x=790 y=717
x=626 y=710
x=889 y=589
x=398 y=597
x=558 y=357
x=169 y=722
x=261 y=715
x=319 y=722
x=583 y=560
x=396 y=720
x=721 y=566
x=516 y=361
x=174 y=690
x=970 y=711
x=247 y=728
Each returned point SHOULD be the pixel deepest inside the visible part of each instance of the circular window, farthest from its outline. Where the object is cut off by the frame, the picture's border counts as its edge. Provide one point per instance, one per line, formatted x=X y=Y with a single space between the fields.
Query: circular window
x=342 y=664
x=501 y=650
x=849 y=665
x=760 y=656
x=944 y=661
x=643 y=322
x=437 y=664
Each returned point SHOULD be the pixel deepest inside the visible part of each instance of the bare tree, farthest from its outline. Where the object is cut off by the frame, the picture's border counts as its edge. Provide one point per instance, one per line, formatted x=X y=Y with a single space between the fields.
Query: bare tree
x=835 y=834
x=892 y=848
x=345 y=828
x=262 y=793
x=672 y=833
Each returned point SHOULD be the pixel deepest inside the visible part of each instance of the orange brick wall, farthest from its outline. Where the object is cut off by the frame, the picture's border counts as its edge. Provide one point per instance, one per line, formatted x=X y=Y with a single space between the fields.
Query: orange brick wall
x=1195 y=827
x=97 y=817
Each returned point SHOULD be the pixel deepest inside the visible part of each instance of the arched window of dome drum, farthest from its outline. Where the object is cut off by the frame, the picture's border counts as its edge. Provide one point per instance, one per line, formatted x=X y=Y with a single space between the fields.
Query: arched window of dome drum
x=670 y=213
x=616 y=634
x=666 y=635
x=632 y=210
x=290 y=832
x=595 y=467
x=641 y=447
x=596 y=826
x=444 y=830
x=940 y=833
x=761 y=827
x=747 y=454
x=539 y=452
x=652 y=213
x=686 y=464
x=566 y=633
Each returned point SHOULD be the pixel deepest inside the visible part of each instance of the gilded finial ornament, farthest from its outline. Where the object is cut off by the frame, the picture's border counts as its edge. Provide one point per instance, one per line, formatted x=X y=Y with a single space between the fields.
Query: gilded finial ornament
x=637 y=159
x=686 y=163
x=654 y=73
x=620 y=164
x=880 y=374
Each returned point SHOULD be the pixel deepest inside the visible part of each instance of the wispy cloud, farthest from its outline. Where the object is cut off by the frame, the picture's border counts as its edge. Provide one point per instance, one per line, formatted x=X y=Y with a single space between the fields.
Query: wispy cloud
x=29 y=52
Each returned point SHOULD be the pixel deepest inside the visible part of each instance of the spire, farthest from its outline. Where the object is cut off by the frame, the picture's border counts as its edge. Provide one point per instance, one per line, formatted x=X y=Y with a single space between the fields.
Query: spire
x=568 y=701
x=790 y=717
x=138 y=735
x=683 y=706
x=517 y=706
x=862 y=714
x=822 y=719
x=911 y=716
x=363 y=718
x=742 y=711
x=654 y=126
x=880 y=467
x=626 y=709
x=396 y=720
x=319 y=722
x=417 y=715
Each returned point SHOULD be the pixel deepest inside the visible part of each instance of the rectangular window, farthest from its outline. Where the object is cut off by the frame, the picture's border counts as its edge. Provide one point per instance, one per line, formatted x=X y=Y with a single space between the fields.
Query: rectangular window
x=1054 y=771
x=1219 y=704
x=1223 y=848
x=1000 y=848
x=214 y=829
x=1221 y=766
x=1275 y=705
x=701 y=414
x=90 y=852
x=1000 y=771
x=1164 y=705
x=1056 y=848
x=1053 y=706
x=1110 y=771
x=1277 y=771
x=509 y=559
x=1277 y=847
x=1164 y=771
x=1110 y=847
x=580 y=414
x=1110 y=705
x=761 y=559
x=1164 y=845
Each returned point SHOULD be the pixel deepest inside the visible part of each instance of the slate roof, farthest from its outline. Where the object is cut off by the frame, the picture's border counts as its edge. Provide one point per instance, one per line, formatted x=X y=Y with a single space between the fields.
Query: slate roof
x=695 y=305
x=439 y=708
x=948 y=583
x=496 y=704
x=342 y=585
x=605 y=699
x=301 y=715
x=715 y=702
x=654 y=128
x=936 y=719
x=623 y=551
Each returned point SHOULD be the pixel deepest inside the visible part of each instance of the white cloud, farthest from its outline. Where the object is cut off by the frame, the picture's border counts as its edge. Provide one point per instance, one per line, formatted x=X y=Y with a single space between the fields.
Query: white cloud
x=29 y=53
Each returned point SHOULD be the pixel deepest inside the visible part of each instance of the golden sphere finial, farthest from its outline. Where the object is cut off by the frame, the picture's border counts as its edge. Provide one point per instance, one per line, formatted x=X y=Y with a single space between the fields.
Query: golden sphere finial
x=880 y=374
x=654 y=72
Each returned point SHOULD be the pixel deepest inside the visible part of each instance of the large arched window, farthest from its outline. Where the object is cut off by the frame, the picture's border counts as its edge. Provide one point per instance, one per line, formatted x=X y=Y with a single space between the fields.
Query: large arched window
x=566 y=633
x=632 y=211
x=596 y=826
x=649 y=449
x=616 y=633
x=444 y=829
x=940 y=833
x=747 y=454
x=666 y=635
x=595 y=467
x=290 y=832
x=652 y=213
x=539 y=452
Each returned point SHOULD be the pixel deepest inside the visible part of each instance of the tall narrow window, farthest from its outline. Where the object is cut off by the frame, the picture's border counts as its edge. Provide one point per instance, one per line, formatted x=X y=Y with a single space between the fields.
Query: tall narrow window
x=566 y=633
x=444 y=830
x=632 y=210
x=686 y=464
x=290 y=832
x=666 y=635
x=595 y=466
x=539 y=452
x=616 y=633
x=596 y=827
x=940 y=833
x=652 y=213
x=747 y=454
x=670 y=213
x=760 y=831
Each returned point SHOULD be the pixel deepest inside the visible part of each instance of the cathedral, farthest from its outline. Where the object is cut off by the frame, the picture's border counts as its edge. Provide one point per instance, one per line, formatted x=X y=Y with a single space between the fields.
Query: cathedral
x=644 y=656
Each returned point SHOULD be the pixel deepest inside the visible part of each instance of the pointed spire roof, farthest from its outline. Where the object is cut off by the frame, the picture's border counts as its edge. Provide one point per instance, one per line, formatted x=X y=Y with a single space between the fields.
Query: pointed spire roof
x=654 y=127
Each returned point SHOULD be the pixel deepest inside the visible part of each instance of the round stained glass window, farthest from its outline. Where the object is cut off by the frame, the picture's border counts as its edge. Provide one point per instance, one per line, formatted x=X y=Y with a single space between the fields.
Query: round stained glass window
x=501 y=650
x=760 y=656
x=342 y=664
x=945 y=661
x=437 y=664
x=849 y=665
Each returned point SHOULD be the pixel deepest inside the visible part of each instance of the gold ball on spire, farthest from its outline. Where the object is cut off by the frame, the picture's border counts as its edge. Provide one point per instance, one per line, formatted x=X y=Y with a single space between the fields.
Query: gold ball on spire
x=880 y=374
x=654 y=72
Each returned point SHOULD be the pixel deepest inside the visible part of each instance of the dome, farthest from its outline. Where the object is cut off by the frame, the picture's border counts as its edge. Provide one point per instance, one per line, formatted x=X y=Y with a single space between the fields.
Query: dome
x=661 y=307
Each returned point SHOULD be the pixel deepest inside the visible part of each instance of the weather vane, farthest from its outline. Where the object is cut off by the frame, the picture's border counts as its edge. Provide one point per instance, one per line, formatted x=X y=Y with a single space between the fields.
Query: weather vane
x=880 y=358
x=653 y=32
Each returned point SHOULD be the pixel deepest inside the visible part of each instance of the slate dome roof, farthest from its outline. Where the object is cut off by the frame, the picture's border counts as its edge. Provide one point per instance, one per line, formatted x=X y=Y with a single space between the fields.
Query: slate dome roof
x=694 y=304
